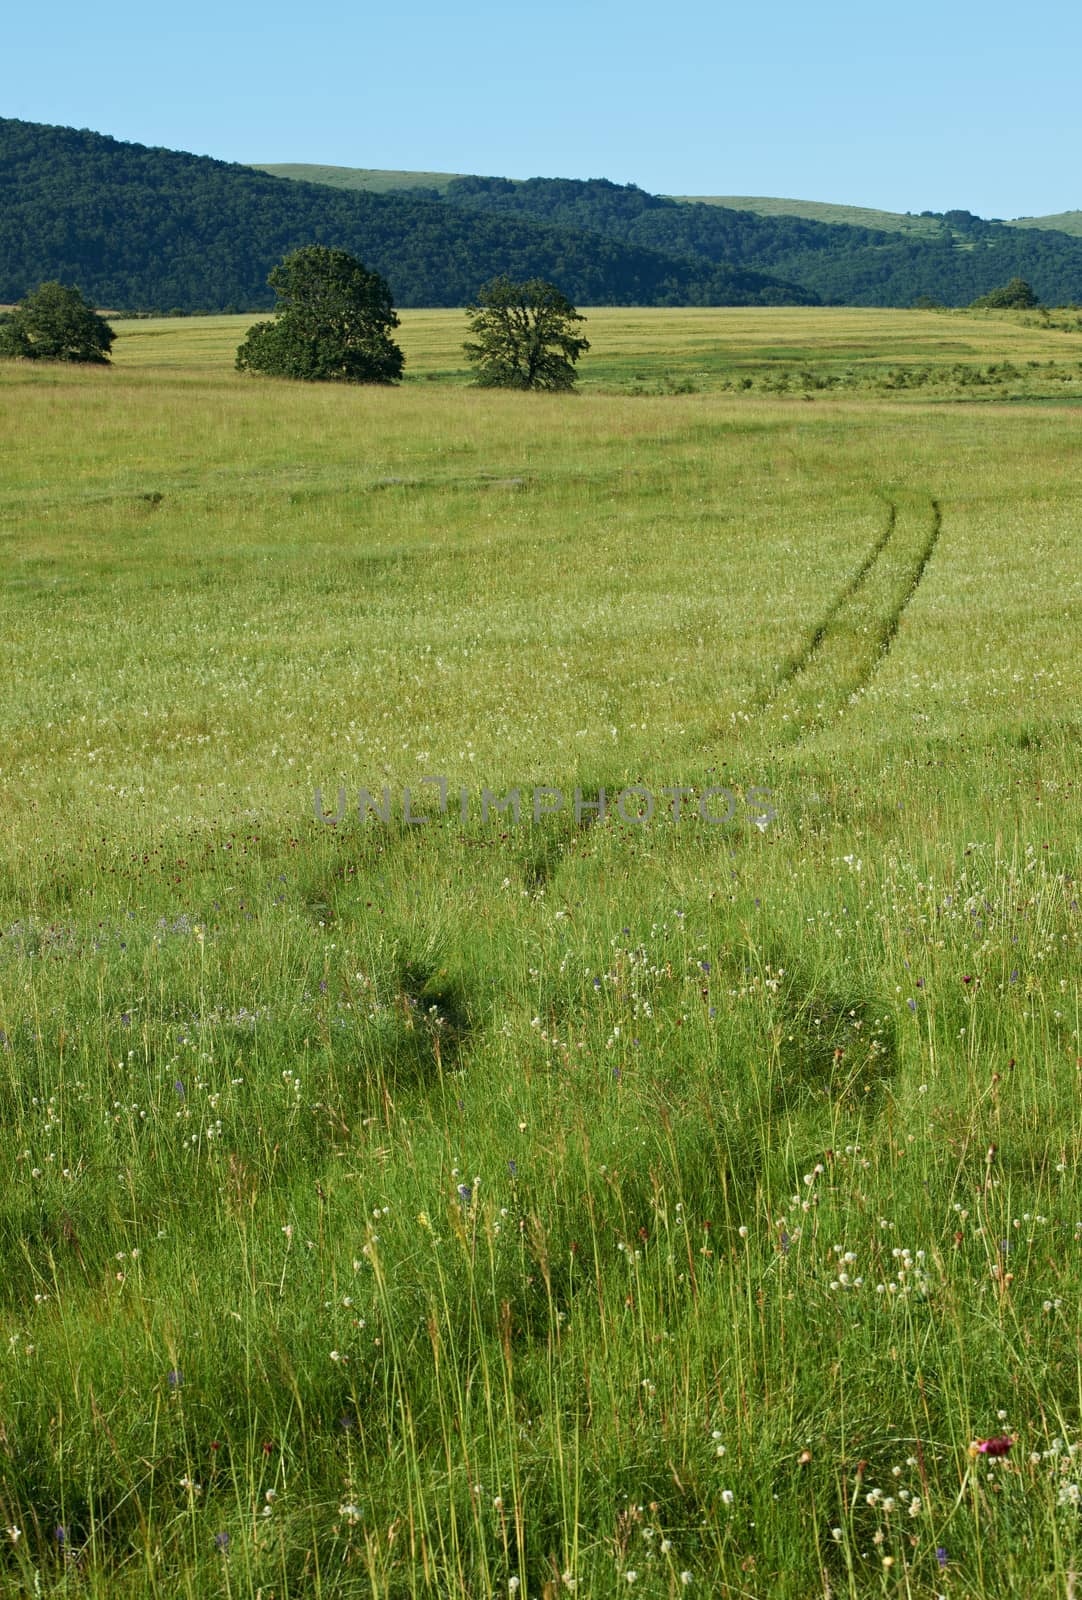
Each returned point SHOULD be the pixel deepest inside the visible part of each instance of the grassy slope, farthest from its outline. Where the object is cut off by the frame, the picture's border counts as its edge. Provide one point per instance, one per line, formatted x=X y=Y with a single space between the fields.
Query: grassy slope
x=866 y=217
x=403 y=1211
x=820 y=211
x=375 y=180
x=1060 y=221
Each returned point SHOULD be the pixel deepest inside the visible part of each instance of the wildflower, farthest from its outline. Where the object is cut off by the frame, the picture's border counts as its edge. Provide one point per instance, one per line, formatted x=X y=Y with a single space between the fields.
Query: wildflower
x=465 y=1193
x=836 y=1535
x=514 y=1584
x=175 y=1379
x=351 y=1513
x=15 y=1534
x=60 y=1534
x=941 y=1555
x=991 y=1447
x=221 y=1540
x=685 y=1578
x=727 y=1497
x=631 y=1575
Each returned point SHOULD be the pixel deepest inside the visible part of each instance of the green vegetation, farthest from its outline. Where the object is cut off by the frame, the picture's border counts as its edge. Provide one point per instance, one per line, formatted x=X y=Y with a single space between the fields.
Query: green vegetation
x=524 y=336
x=1014 y=296
x=334 y=322
x=857 y=266
x=440 y=1209
x=144 y=229
x=1059 y=222
x=141 y=229
x=928 y=224
x=55 y=323
x=923 y=222
x=371 y=179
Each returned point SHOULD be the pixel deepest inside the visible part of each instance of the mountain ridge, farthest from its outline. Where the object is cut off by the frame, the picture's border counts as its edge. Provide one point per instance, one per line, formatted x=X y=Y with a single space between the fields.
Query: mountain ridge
x=149 y=228
x=928 y=223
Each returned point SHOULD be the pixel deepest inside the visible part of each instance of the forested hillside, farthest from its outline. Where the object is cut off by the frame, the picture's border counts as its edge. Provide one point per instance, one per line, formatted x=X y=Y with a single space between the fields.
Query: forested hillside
x=145 y=228
x=140 y=228
x=843 y=264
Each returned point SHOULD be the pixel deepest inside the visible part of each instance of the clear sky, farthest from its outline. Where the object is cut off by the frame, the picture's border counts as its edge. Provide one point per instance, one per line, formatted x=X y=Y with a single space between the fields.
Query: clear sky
x=908 y=107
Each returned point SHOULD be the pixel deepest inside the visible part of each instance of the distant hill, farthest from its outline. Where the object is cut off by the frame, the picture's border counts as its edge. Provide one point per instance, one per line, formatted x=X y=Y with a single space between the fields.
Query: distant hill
x=148 y=228
x=373 y=180
x=1060 y=222
x=820 y=211
x=925 y=222
x=846 y=255
x=843 y=264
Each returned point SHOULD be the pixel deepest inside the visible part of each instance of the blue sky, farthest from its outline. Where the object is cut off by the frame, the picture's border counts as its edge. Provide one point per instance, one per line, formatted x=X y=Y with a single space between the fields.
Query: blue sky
x=909 y=107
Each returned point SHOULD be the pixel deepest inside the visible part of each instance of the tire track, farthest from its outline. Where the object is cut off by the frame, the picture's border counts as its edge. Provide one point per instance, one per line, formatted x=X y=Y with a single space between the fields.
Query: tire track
x=926 y=555
x=799 y=663
x=859 y=627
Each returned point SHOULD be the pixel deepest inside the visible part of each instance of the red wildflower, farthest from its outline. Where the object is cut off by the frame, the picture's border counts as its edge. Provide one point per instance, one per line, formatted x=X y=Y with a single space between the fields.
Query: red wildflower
x=991 y=1447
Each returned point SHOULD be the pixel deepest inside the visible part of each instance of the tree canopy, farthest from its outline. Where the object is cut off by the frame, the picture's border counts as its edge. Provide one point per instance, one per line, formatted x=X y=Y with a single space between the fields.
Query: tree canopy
x=55 y=323
x=334 y=321
x=1014 y=296
x=524 y=336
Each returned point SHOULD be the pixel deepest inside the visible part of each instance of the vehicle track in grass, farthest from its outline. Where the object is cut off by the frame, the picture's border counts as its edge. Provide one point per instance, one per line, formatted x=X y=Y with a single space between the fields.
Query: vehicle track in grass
x=859 y=627
x=802 y=660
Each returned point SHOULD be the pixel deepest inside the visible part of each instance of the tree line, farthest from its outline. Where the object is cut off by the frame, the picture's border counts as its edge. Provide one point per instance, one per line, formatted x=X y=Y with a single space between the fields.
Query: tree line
x=335 y=323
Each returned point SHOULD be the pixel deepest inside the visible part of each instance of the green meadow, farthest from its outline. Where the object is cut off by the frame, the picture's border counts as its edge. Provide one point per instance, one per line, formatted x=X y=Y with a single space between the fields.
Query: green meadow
x=624 y=1137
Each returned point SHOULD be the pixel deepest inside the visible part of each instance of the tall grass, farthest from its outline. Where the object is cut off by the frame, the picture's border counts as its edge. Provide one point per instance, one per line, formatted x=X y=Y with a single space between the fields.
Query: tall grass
x=484 y=1208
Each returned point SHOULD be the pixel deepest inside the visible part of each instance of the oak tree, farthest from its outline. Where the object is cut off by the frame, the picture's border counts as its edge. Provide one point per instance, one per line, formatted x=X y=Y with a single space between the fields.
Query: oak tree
x=333 y=323
x=55 y=323
x=524 y=336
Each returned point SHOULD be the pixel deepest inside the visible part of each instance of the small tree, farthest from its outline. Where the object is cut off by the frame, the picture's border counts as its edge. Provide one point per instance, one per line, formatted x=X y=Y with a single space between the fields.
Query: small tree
x=524 y=336
x=55 y=323
x=1014 y=296
x=333 y=323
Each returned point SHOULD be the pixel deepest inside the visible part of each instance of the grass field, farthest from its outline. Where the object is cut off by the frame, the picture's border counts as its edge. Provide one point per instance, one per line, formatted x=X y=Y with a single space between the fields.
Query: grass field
x=516 y=1207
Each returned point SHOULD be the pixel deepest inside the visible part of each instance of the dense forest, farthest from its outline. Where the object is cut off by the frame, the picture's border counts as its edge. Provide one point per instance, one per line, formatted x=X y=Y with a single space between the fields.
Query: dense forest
x=139 y=228
x=844 y=265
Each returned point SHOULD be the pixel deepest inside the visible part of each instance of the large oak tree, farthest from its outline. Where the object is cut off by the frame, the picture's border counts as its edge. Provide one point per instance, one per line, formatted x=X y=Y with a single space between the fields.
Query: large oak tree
x=333 y=323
